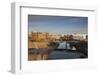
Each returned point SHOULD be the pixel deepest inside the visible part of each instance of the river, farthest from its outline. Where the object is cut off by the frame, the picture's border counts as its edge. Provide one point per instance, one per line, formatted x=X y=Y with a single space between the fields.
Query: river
x=64 y=55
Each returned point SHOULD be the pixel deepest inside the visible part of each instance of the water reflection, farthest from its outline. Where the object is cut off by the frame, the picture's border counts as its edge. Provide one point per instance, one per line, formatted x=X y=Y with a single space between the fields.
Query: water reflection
x=64 y=50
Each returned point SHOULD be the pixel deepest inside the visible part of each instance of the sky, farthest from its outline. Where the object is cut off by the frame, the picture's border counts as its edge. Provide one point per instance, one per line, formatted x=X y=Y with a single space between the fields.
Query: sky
x=57 y=24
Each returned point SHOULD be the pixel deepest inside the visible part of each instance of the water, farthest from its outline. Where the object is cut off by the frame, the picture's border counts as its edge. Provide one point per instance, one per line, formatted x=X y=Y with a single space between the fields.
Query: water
x=62 y=45
x=64 y=55
x=68 y=46
x=61 y=53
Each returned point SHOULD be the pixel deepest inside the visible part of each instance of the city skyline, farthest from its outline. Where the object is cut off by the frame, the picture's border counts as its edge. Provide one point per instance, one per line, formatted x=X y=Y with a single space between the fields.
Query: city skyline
x=57 y=24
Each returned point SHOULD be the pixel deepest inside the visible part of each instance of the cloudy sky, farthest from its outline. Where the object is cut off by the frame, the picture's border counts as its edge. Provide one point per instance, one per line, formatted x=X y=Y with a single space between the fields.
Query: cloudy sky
x=57 y=24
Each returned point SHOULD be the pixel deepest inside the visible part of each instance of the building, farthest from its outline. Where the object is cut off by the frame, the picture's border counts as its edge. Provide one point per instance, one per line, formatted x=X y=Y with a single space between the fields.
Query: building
x=78 y=36
x=42 y=36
